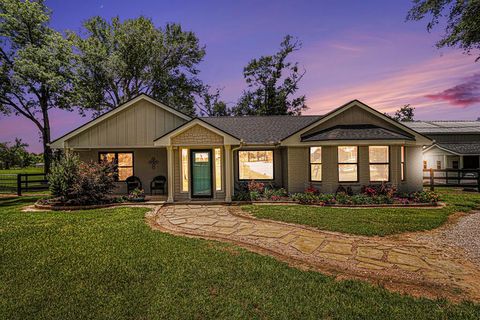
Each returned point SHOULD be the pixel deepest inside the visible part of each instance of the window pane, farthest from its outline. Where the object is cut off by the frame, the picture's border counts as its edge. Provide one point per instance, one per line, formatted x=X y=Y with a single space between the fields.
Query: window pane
x=201 y=156
x=378 y=154
x=125 y=159
x=316 y=172
x=124 y=173
x=110 y=157
x=316 y=155
x=379 y=172
x=218 y=169
x=347 y=154
x=184 y=153
x=255 y=165
x=347 y=172
x=403 y=154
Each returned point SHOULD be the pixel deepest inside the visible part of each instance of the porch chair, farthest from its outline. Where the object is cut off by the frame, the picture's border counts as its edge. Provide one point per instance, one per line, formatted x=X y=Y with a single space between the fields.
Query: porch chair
x=133 y=182
x=158 y=183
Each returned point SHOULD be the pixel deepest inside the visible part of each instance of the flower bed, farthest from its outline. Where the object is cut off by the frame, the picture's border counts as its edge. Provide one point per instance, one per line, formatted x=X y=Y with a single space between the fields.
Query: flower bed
x=370 y=196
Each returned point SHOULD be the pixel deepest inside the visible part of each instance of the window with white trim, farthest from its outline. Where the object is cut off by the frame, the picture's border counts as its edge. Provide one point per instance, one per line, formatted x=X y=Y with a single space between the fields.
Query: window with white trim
x=379 y=158
x=255 y=165
x=315 y=163
x=218 y=169
x=184 y=169
x=347 y=163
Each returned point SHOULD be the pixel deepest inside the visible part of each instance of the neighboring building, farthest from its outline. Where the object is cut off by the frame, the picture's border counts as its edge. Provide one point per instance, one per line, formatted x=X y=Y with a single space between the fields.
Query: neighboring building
x=456 y=144
x=353 y=145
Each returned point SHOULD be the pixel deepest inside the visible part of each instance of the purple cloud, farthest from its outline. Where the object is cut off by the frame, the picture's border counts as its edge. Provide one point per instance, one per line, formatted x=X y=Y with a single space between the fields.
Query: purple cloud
x=463 y=94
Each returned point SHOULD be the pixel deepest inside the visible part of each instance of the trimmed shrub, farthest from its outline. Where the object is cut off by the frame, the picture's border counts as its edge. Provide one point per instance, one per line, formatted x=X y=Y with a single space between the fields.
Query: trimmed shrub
x=77 y=183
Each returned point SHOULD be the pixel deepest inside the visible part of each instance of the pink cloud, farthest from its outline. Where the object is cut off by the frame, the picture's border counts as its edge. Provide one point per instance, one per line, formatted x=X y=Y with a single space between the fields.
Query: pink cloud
x=464 y=94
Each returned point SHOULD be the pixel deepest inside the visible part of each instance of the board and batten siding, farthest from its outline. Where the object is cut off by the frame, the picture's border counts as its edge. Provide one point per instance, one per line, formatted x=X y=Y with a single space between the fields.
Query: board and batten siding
x=136 y=126
x=298 y=169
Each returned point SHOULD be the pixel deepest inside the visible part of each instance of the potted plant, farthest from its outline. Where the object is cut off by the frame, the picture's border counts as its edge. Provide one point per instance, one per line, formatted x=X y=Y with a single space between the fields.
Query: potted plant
x=137 y=195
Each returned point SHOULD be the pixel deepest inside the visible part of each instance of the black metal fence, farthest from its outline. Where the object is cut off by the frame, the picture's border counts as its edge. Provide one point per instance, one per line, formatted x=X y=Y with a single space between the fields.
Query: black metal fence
x=466 y=178
x=23 y=182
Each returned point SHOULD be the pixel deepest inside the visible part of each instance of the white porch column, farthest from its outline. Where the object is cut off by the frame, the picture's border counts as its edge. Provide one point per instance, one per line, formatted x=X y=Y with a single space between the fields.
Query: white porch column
x=228 y=173
x=445 y=163
x=170 y=170
x=460 y=163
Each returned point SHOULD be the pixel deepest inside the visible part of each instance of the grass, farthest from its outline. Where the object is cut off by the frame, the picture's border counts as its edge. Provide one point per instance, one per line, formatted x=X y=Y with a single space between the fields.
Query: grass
x=22 y=170
x=109 y=264
x=370 y=222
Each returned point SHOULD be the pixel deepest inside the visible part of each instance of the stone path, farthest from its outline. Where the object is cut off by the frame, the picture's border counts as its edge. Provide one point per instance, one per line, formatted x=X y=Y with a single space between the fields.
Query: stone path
x=402 y=263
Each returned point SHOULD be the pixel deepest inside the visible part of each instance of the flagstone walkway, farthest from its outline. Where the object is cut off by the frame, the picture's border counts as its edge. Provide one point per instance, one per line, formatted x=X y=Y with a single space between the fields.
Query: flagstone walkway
x=402 y=263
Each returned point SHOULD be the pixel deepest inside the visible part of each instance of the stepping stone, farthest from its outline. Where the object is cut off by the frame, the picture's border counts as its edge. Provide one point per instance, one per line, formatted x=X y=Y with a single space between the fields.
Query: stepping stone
x=306 y=245
x=369 y=266
x=407 y=260
x=271 y=233
x=204 y=221
x=288 y=238
x=226 y=230
x=379 y=264
x=189 y=226
x=177 y=221
x=245 y=232
x=337 y=248
x=333 y=256
x=370 y=252
x=222 y=223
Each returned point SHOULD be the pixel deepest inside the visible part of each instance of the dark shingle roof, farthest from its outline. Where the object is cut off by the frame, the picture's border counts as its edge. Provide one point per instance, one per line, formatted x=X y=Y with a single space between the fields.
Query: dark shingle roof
x=444 y=127
x=462 y=148
x=355 y=132
x=261 y=129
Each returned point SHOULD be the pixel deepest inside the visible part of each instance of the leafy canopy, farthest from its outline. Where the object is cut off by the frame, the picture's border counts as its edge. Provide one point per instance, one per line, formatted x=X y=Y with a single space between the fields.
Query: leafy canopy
x=405 y=113
x=118 y=60
x=36 y=72
x=272 y=83
x=463 y=21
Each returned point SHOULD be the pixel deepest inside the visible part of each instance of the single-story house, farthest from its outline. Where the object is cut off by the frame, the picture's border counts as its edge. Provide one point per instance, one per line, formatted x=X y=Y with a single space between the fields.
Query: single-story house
x=456 y=143
x=209 y=157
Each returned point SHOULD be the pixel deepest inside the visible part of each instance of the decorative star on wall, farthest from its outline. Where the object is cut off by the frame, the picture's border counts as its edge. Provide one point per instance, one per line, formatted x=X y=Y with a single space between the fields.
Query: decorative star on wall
x=153 y=162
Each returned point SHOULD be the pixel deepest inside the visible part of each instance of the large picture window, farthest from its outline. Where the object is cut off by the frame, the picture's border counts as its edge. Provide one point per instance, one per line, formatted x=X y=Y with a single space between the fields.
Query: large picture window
x=123 y=163
x=347 y=163
x=379 y=163
x=315 y=163
x=255 y=165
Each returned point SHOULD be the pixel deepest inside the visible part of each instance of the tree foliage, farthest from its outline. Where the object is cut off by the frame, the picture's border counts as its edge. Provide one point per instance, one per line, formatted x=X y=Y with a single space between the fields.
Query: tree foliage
x=405 y=113
x=272 y=83
x=35 y=66
x=118 y=60
x=211 y=105
x=463 y=21
x=15 y=155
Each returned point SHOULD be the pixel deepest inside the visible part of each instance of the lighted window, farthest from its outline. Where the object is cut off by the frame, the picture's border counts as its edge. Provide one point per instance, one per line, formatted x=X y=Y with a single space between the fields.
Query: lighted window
x=348 y=164
x=184 y=170
x=123 y=163
x=255 y=165
x=218 y=169
x=402 y=172
x=439 y=164
x=316 y=163
x=379 y=163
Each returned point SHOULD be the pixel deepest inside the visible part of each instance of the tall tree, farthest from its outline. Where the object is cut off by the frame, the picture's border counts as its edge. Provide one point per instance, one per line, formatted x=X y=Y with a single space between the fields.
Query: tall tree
x=272 y=83
x=405 y=113
x=118 y=60
x=211 y=105
x=463 y=21
x=15 y=155
x=35 y=66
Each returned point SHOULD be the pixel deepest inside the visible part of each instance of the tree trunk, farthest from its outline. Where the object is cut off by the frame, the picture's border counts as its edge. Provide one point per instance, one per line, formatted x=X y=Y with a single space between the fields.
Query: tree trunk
x=47 y=151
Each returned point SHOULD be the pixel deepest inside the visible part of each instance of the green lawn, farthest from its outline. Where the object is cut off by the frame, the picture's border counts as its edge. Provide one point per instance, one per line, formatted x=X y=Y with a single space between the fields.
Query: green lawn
x=370 y=222
x=22 y=170
x=109 y=264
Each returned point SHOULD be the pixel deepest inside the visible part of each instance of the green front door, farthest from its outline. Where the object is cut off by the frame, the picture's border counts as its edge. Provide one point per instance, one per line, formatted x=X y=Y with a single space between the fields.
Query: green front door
x=201 y=164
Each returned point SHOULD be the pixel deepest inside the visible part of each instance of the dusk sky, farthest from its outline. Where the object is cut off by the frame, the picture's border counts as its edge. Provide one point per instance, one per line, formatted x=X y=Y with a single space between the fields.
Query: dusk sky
x=351 y=50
